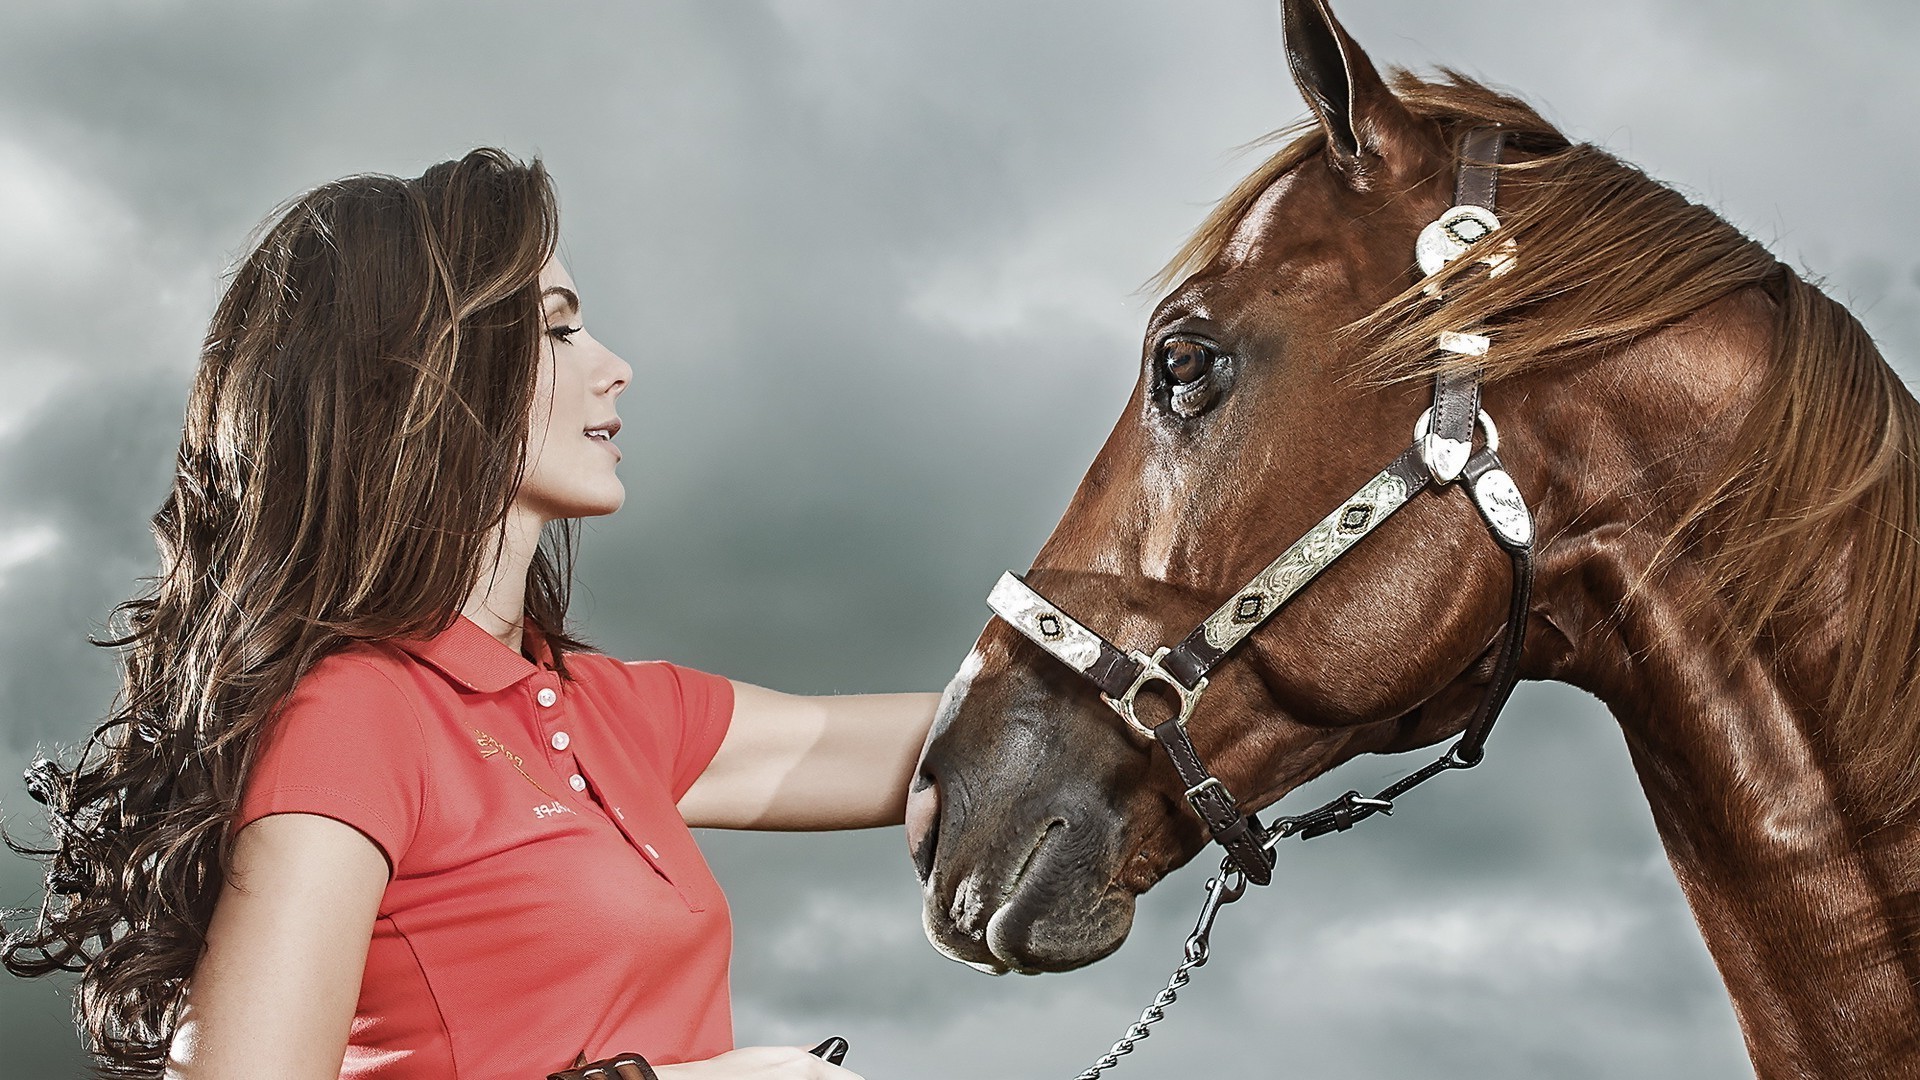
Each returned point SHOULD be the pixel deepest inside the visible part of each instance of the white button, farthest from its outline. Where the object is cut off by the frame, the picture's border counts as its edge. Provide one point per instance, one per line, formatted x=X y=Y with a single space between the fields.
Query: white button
x=578 y=782
x=546 y=696
x=560 y=740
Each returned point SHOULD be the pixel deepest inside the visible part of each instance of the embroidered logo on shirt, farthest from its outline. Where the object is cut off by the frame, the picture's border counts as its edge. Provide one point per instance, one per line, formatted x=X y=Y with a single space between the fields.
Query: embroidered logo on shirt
x=490 y=746
x=547 y=810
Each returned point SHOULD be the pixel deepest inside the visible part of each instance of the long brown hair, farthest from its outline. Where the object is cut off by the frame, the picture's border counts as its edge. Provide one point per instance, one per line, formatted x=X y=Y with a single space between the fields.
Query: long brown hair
x=1825 y=468
x=353 y=442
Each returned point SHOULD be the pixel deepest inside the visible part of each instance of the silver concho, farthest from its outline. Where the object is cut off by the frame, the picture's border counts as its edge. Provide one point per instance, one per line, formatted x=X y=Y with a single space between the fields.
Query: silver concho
x=1444 y=457
x=1460 y=228
x=1500 y=503
x=1045 y=625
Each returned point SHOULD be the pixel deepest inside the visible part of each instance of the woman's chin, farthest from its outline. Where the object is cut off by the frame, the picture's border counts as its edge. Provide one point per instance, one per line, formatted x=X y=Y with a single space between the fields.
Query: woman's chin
x=604 y=506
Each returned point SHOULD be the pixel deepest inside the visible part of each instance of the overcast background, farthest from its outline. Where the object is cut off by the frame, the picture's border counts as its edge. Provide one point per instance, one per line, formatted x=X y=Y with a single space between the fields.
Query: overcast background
x=857 y=253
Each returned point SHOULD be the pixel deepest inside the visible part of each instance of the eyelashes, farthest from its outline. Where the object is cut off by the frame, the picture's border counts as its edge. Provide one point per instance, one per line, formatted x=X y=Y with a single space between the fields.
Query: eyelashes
x=562 y=333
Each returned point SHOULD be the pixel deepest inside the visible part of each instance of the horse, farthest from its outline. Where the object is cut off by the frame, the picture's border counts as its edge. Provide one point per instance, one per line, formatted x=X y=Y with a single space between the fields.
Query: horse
x=1712 y=525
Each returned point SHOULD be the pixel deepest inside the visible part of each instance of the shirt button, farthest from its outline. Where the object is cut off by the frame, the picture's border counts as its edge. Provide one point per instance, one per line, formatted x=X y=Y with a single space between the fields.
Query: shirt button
x=577 y=782
x=560 y=740
x=546 y=696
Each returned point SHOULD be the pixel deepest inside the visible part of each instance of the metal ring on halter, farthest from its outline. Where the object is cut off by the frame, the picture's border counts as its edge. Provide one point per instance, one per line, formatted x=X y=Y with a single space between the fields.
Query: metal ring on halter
x=1151 y=672
x=1425 y=423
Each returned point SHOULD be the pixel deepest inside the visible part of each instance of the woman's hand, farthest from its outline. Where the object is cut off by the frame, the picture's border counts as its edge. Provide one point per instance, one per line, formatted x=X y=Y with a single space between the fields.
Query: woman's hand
x=757 y=1063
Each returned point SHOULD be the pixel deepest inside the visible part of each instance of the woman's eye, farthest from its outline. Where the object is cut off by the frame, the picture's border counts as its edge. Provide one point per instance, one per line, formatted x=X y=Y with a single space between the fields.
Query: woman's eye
x=564 y=332
x=1187 y=361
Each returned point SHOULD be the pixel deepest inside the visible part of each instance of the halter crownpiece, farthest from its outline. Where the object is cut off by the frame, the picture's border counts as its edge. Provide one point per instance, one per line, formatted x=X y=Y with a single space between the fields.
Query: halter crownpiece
x=1441 y=453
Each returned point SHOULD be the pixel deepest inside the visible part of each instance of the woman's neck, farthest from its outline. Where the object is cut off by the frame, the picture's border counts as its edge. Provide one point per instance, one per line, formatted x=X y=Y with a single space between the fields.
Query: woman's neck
x=498 y=601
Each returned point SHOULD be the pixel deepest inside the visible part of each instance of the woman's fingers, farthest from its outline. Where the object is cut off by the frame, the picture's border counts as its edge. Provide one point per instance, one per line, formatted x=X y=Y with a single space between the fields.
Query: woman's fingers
x=759 y=1063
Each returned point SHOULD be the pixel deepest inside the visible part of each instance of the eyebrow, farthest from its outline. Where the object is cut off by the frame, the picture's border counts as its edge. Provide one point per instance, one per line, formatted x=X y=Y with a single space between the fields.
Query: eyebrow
x=564 y=293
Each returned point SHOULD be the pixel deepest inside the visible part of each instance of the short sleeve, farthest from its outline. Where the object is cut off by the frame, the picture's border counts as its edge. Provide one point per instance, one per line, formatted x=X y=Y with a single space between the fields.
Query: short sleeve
x=687 y=713
x=347 y=745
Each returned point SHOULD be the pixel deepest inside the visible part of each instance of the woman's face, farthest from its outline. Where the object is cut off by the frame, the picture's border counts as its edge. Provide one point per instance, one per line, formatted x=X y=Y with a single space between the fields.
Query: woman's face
x=570 y=465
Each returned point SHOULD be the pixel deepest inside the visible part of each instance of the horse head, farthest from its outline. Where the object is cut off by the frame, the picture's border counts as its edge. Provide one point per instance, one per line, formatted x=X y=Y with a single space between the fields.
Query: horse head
x=1723 y=477
x=1038 y=816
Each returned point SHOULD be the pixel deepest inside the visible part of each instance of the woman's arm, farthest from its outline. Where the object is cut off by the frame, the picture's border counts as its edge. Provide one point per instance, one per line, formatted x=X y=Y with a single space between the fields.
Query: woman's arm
x=792 y=762
x=275 y=988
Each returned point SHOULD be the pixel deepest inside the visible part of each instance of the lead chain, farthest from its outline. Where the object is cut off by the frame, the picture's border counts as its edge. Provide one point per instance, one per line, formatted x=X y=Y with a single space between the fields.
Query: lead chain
x=1222 y=890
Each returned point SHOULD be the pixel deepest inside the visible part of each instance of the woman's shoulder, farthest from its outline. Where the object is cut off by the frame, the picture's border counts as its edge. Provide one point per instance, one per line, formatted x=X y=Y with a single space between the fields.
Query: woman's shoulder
x=347 y=743
x=664 y=680
x=678 y=714
x=358 y=689
x=358 y=668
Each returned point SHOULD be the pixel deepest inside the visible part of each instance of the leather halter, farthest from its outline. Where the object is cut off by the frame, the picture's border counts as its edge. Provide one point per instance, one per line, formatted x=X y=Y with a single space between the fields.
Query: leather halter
x=1441 y=455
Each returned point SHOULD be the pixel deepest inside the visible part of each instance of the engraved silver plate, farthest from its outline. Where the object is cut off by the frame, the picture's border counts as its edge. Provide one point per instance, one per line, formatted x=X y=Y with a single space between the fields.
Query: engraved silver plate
x=1500 y=503
x=1303 y=562
x=1045 y=625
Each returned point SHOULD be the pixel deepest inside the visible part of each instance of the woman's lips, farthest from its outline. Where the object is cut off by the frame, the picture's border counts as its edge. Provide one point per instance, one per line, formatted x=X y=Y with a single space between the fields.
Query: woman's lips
x=607 y=442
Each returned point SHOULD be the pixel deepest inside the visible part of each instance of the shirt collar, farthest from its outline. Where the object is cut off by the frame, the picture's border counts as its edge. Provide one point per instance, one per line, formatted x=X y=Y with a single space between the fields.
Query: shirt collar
x=476 y=659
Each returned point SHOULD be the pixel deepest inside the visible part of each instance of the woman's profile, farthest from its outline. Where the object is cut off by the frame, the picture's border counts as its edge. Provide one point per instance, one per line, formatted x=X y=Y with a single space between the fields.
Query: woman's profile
x=364 y=805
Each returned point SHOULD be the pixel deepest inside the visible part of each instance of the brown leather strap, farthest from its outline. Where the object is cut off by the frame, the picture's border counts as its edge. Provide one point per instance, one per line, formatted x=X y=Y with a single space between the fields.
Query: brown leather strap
x=832 y=1050
x=1456 y=402
x=1114 y=672
x=617 y=1067
x=1239 y=833
x=1476 y=184
x=1506 y=670
x=1456 y=396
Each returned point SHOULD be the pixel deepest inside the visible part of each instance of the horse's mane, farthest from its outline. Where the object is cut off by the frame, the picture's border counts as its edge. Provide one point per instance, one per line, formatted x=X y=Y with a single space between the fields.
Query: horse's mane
x=1824 y=470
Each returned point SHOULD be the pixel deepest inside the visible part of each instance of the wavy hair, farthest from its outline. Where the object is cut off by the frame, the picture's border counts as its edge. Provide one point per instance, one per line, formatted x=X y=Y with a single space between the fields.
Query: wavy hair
x=353 y=441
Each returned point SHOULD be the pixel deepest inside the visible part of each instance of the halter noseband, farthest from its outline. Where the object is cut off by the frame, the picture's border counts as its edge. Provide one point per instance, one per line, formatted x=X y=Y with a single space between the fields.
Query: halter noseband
x=1441 y=454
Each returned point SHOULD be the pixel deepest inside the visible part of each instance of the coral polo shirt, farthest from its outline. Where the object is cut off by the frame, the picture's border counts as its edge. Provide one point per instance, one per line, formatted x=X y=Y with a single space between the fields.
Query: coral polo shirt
x=546 y=898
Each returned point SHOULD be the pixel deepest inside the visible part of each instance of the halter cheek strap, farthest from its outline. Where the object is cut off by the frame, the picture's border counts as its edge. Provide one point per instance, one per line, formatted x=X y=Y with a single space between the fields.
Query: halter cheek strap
x=1441 y=455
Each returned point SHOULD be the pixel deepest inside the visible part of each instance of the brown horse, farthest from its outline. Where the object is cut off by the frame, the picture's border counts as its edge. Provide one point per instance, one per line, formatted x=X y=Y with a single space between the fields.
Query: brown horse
x=1725 y=483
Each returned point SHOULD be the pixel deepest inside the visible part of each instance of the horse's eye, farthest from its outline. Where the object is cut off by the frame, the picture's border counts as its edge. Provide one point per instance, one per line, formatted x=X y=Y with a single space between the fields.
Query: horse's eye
x=1187 y=361
x=1196 y=373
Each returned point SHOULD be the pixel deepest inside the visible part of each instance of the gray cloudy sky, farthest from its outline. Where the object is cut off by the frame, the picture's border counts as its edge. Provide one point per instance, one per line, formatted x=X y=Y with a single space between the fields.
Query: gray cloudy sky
x=860 y=253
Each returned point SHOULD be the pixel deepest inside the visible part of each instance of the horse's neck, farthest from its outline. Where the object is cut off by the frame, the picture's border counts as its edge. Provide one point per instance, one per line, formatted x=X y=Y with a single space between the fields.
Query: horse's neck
x=1810 y=917
x=1812 y=914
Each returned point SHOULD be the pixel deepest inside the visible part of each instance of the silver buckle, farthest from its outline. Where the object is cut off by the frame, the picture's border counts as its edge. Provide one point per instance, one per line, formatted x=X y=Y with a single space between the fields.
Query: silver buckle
x=1193 y=796
x=1150 y=672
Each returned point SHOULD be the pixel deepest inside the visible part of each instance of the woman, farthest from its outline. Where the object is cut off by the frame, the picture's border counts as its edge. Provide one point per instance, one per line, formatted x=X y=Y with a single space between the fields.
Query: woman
x=365 y=808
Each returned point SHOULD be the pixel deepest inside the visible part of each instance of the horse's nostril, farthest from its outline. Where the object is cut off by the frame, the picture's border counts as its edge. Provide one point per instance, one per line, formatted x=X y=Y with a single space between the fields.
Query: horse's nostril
x=923 y=822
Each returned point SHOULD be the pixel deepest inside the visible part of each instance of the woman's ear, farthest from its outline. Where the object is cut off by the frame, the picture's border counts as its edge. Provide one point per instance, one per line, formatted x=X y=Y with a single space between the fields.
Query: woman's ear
x=1368 y=131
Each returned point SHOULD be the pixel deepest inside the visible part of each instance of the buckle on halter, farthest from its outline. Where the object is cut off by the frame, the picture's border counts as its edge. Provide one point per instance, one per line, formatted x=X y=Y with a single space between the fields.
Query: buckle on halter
x=1211 y=783
x=1152 y=672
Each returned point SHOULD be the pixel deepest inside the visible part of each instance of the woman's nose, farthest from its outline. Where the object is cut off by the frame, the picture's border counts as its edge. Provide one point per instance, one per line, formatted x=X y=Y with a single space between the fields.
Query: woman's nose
x=619 y=372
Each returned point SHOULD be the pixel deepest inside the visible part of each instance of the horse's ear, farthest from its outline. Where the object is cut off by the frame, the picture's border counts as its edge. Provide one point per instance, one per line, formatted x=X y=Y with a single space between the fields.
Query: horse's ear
x=1361 y=116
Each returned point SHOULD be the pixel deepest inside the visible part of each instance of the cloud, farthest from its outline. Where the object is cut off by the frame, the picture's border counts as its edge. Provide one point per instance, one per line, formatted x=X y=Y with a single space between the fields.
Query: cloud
x=876 y=265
